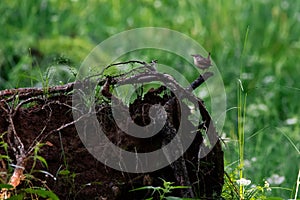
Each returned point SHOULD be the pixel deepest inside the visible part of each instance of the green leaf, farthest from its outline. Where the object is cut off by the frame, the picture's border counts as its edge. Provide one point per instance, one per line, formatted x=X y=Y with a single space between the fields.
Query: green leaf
x=179 y=187
x=7 y=186
x=144 y=188
x=42 y=193
x=43 y=160
x=4 y=157
x=17 y=197
x=64 y=172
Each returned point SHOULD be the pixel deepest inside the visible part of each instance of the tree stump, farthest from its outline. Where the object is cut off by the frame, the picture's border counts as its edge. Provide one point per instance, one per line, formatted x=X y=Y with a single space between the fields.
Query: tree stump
x=41 y=146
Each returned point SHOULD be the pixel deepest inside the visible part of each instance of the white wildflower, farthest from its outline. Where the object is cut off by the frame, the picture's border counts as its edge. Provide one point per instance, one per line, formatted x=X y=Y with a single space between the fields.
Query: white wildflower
x=276 y=179
x=291 y=121
x=254 y=159
x=267 y=186
x=157 y=4
x=247 y=163
x=243 y=182
x=268 y=79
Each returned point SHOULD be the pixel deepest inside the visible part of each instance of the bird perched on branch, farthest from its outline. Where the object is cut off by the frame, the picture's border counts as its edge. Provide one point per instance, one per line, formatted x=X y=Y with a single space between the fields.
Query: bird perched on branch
x=201 y=62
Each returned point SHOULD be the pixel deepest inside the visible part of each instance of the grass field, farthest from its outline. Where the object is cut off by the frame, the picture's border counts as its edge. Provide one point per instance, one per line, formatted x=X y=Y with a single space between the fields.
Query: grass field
x=255 y=41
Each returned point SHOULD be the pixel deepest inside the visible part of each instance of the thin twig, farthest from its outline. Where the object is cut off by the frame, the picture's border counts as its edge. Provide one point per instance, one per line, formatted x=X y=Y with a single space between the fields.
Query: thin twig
x=59 y=129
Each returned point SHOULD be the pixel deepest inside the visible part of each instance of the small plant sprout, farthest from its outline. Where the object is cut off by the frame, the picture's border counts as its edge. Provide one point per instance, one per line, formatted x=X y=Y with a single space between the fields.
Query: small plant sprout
x=162 y=191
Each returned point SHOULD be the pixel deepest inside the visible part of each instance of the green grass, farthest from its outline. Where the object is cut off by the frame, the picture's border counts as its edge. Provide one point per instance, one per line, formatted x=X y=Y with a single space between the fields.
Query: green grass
x=36 y=35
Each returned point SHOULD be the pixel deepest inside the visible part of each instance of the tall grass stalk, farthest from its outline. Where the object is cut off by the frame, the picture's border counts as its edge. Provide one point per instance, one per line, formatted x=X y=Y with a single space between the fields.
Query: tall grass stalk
x=241 y=118
x=242 y=100
x=243 y=50
x=297 y=185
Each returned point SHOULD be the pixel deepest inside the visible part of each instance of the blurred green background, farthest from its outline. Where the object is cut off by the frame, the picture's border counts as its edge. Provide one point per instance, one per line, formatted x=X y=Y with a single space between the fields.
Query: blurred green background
x=37 y=35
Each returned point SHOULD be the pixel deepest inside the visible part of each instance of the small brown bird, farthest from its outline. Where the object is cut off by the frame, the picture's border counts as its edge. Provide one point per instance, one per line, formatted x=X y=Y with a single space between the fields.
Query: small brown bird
x=201 y=62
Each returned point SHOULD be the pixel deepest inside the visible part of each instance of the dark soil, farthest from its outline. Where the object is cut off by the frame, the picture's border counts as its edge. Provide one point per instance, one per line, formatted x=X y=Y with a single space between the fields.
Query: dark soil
x=78 y=175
